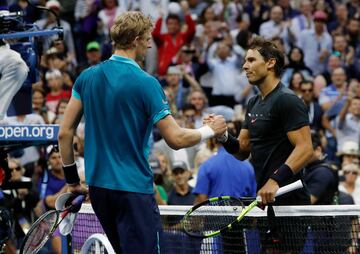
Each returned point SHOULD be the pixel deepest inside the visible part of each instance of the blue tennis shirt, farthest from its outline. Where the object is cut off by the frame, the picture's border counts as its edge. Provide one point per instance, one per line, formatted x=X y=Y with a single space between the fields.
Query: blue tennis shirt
x=121 y=104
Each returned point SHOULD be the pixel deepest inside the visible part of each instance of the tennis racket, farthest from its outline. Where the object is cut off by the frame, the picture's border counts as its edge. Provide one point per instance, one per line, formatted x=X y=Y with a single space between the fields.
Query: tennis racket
x=45 y=226
x=201 y=221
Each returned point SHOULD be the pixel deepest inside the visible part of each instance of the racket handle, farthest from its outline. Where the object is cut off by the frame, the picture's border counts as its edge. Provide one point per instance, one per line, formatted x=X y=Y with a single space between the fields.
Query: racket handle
x=285 y=189
x=78 y=200
x=290 y=187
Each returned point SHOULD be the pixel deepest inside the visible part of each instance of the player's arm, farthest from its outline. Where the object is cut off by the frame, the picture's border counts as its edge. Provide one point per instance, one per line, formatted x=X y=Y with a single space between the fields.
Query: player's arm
x=177 y=137
x=72 y=117
x=303 y=150
x=299 y=157
x=238 y=147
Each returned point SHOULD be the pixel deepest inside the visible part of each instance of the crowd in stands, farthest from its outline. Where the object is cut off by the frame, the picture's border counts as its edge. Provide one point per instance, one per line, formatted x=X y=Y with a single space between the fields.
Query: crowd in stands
x=197 y=53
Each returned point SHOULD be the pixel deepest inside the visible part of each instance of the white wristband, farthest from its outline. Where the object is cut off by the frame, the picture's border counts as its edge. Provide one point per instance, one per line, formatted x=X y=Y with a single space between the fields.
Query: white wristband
x=206 y=132
x=223 y=138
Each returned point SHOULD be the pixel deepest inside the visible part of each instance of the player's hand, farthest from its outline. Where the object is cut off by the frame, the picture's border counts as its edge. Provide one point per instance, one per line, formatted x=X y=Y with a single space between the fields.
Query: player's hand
x=268 y=191
x=208 y=118
x=78 y=189
x=218 y=125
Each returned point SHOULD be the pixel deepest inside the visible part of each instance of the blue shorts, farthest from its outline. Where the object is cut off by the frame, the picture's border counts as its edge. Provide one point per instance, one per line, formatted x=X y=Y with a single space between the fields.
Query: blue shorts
x=130 y=220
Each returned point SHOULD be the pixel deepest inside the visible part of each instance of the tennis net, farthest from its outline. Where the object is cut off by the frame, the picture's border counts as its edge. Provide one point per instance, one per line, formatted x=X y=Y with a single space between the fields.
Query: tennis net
x=299 y=229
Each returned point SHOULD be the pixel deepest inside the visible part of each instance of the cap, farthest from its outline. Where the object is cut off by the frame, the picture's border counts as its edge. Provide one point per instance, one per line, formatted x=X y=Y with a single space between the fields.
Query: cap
x=52 y=149
x=53 y=4
x=155 y=165
x=92 y=45
x=179 y=165
x=349 y=148
x=174 y=70
x=55 y=73
x=320 y=15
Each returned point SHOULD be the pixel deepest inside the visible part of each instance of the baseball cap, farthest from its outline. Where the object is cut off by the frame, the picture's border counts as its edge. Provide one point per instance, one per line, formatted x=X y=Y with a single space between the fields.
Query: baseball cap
x=92 y=45
x=349 y=148
x=179 y=165
x=155 y=165
x=55 y=73
x=320 y=15
x=53 y=4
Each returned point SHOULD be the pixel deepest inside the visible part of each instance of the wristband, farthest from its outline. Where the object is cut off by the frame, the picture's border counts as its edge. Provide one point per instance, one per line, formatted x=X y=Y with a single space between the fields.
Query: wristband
x=206 y=132
x=71 y=174
x=231 y=145
x=282 y=175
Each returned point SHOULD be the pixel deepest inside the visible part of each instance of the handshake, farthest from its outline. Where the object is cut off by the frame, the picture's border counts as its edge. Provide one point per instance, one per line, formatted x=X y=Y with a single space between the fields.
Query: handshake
x=218 y=124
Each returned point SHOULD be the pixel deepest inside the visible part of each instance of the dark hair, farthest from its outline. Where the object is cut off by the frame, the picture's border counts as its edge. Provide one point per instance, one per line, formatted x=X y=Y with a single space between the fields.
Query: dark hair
x=242 y=39
x=173 y=16
x=306 y=81
x=316 y=141
x=292 y=78
x=188 y=106
x=268 y=50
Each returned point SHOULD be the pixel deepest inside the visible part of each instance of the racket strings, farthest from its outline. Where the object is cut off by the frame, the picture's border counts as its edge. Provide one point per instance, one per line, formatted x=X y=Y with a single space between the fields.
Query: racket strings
x=206 y=219
x=40 y=233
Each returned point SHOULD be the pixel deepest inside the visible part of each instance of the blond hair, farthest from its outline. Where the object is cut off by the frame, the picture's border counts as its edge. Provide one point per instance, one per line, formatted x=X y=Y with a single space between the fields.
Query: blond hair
x=127 y=27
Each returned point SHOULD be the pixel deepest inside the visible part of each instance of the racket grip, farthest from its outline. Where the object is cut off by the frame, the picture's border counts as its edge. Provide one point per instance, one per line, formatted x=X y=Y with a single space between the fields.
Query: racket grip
x=290 y=187
x=78 y=200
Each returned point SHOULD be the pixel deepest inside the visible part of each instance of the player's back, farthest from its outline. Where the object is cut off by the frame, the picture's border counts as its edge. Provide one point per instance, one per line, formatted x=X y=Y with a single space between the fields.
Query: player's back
x=116 y=97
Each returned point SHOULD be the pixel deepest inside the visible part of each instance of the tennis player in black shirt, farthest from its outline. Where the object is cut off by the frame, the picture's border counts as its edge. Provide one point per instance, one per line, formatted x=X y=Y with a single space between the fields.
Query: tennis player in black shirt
x=276 y=133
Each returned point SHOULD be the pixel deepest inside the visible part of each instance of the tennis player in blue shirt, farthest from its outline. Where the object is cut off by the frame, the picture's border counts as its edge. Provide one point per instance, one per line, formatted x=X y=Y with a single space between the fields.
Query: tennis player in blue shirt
x=121 y=103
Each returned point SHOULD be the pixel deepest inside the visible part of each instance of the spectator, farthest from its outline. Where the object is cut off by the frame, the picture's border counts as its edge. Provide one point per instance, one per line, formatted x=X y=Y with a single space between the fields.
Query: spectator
x=170 y=43
x=333 y=63
x=39 y=107
x=349 y=186
x=49 y=22
x=224 y=65
x=349 y=153
x=165 y=166
x=55 y=83
x=160 y=193
x=321 y=176
x=338 y=25
x=258 y=12
x=304 y=20
x=296 y=63
x=86 y=13
x=348 y=121
x=343 y=50
x=223 y=174
x=20 y=201
x=106 y=17
x=93 y=56
x=60 y=110
x=295 y=81
x=316 y=54
x=181 y=193
x=276 y=27
x=314 y=110
x=174 y=80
